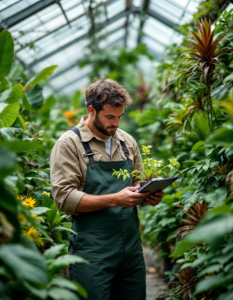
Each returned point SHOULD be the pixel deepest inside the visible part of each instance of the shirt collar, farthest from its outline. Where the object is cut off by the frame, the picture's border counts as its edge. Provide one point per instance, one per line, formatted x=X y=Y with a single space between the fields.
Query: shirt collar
x=87 y=135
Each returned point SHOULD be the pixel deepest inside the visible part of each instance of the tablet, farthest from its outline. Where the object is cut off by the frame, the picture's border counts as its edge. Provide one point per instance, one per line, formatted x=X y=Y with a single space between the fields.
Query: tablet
x=156 y=185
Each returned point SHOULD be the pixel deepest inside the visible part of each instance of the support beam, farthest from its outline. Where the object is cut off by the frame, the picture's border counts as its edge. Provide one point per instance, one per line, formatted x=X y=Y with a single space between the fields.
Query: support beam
x=86 y=35
x=61 y=72
x=144 y=8
x=25 y=13
x=128 y=5
x=161 y=19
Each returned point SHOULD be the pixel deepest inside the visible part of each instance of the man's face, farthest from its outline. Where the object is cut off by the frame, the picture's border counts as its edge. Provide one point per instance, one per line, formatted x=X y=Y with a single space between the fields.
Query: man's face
x=107 y=120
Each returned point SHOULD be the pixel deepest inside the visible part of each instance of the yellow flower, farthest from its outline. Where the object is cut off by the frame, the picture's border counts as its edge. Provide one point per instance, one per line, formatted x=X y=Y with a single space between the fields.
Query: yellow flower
x=20 y=197
x=46 y=193
x=31 y=233
x=38 y=218
x=30 y=202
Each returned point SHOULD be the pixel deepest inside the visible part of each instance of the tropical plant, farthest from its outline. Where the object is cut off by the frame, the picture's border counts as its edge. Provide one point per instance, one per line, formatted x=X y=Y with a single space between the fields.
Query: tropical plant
x=205 y=54
x=195 y=214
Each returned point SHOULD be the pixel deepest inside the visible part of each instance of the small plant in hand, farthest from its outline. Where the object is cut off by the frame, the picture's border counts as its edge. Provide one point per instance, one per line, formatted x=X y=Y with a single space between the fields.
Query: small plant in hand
x=151 y=168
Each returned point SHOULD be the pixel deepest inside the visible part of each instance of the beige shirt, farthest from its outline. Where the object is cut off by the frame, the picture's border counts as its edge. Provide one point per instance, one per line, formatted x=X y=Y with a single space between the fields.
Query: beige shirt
x=68 y=166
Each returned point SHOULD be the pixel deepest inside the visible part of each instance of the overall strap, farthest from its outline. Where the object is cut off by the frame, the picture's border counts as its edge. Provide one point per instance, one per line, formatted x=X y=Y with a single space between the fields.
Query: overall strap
x=126 y=151
x=86 y=147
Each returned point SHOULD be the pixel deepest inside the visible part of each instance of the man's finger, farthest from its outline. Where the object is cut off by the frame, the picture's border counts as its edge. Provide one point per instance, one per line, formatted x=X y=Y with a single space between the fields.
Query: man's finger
x=140 y=195
x=132 y=188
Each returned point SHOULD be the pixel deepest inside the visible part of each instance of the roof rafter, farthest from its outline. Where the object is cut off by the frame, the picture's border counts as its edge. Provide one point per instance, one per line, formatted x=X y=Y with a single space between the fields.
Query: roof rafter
x=144 y=8
x=128 y=5
x=26 y=13
x=86 y=35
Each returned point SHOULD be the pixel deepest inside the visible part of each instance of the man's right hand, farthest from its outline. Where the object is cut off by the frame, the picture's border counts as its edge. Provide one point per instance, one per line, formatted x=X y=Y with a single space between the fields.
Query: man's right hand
x=128 y=197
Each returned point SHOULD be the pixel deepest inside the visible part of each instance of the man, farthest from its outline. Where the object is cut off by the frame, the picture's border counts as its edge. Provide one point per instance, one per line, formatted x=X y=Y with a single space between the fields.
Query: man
x=102 y=208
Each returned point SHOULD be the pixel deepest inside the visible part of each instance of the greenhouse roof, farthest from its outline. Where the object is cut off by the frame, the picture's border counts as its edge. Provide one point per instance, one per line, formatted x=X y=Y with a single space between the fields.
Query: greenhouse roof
x=56 y=32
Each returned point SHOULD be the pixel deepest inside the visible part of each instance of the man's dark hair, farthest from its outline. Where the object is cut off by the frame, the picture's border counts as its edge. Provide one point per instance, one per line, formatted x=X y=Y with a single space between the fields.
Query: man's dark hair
x=106 y=91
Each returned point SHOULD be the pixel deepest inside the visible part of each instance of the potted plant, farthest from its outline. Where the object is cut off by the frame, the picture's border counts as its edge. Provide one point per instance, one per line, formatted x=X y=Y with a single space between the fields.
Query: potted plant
x=151 y=168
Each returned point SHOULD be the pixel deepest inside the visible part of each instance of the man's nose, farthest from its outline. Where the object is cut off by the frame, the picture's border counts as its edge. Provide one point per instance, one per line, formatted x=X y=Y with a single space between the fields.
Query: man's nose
x=115 y=123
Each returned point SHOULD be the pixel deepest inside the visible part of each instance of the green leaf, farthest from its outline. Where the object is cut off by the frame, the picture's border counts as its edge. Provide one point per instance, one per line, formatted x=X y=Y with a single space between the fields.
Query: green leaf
x=220 y=91
x=201 y=125
x=65 y=228
x=212 y=282
x=41 y=76
x=46 y=201
x=21 y=122
x=61 y=294
x=39 y=210
x=212 y=230
x=63 y=261
x=52 y=213
x=24 y=263
x=8 y=113
x=35 y=97
x=21 y=146
x=6 y=53
x=40 y=293
x=53 y=251
x=13 y=94
x=48 y=104
x=6 y=133
x=7 y=162
x=226 y=296
x=181 y=247
x=216 y=197
x=222 y=137
x=62 y=282
x=211 y=269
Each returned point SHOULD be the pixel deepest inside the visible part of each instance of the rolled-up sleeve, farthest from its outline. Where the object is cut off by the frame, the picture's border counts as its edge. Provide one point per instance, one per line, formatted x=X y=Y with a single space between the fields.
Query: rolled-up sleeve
x=65 y=176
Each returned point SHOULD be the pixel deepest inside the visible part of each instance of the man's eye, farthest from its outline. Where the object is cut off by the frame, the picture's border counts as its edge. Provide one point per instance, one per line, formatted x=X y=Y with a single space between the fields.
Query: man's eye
x=109 y=117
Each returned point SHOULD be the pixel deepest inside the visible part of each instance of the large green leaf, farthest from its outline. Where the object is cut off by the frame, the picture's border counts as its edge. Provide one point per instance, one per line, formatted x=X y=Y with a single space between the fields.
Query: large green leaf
x=61 y=294
x=63 y=283
x=42 y=75
x=201 y=125
x=7 y=133
x=49 y=103
x=21 y=146
x=7 y=162
x=6 y=53
x=212 y=282
x=46 y=201
x=52 y=213
x=53 y=251
x=39 y=210
x=217 y=196
x=63 y=261
x=35 y=97
x=24 y=263
x=220 y=91
x=222 y=137
x=8 y=113
x=13 y=94
x=21 y=121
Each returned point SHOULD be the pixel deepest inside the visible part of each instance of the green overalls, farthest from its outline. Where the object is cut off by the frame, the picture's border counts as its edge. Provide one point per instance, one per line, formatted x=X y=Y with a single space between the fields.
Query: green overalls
x=108 y=238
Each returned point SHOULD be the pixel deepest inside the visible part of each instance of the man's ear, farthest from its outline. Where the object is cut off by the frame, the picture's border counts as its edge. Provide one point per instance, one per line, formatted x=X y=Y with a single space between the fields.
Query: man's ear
x=91 y=110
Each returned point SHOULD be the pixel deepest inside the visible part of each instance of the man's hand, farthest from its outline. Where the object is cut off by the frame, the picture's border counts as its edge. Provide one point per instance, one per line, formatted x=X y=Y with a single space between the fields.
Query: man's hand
x=155 y=199
x=128 y=197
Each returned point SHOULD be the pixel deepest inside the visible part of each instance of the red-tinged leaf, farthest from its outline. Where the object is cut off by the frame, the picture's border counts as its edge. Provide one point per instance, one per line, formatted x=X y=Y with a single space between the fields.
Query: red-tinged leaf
x=188 y=221
x=181 y=206
x=206 y=70
x=192 y=217
x=33 y=164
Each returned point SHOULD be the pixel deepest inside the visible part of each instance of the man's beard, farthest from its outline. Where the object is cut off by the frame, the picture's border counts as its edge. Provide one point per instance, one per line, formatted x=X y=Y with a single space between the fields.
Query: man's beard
x=101 y=127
